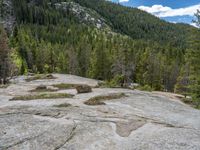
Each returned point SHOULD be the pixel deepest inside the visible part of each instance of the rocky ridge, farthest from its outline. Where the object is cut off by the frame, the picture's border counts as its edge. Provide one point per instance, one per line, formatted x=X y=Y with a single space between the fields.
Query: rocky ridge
x=83 y=14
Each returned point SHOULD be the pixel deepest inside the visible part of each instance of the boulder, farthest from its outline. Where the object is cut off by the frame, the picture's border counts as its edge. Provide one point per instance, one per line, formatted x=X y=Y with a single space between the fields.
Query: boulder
x=83 y=89
x=41 y=87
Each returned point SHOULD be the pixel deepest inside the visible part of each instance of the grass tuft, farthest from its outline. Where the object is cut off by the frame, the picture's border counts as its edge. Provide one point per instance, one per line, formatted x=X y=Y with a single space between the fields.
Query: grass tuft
x=63 y=86
x=42 y=96
x=98 y=100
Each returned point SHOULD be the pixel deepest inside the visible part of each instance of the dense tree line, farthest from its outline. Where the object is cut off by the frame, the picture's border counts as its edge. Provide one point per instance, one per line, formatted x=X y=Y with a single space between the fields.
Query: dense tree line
x=92 y=53
x=188 y=82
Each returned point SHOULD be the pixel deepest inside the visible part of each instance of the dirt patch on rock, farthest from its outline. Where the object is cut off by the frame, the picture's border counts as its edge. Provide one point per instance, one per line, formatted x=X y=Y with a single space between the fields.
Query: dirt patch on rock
x=98 y=100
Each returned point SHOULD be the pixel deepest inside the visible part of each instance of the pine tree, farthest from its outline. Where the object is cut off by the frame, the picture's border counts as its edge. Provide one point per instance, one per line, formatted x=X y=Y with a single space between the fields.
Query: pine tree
x=197 y=15
x=5 y=63
x=183 y=81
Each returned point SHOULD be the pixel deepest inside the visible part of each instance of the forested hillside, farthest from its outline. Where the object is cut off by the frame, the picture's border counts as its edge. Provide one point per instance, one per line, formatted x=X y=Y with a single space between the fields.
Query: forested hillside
x=103 y=40
x=138 y=24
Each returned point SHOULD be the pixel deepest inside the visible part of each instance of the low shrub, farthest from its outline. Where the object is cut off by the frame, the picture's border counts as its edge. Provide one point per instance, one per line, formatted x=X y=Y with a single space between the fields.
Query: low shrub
x=145 y=88
x=116 y=82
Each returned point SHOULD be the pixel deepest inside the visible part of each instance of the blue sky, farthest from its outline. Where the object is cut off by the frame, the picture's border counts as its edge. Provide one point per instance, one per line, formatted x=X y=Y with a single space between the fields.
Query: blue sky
x=170 y=10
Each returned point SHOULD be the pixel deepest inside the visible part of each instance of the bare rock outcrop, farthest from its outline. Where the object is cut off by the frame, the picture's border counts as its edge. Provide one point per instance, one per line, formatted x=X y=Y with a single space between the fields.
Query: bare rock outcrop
x=139 y=120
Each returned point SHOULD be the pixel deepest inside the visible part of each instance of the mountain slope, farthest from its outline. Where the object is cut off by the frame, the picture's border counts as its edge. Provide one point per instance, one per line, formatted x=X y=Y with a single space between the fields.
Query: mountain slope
x=98 y=39
x=138 y=24
x=103 y=14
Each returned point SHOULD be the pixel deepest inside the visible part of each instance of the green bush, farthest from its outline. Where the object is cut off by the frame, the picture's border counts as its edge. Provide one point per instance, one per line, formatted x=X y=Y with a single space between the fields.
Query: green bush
x=145 y=88
x=113 y=83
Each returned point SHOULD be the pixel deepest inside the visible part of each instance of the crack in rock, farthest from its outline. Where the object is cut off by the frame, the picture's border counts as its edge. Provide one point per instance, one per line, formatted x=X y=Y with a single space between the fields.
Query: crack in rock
x=125 y=128
x=24 y=140
x=72 y=133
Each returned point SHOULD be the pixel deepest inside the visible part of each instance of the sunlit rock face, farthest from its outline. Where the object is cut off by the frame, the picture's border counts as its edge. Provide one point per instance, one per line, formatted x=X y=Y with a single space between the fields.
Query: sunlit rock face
x=83 y=15
x=137 y=121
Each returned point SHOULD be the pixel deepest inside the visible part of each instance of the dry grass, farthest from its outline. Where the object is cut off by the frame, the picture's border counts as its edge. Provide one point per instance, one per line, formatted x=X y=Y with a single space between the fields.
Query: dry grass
x=98 y=100
x=40 y=77
x=42 y=96
x=42 y=88
x=63 y=105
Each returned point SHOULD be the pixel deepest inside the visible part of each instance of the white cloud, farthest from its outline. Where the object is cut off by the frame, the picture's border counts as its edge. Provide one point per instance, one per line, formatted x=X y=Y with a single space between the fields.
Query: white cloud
x=163 y=11
x=121 y=1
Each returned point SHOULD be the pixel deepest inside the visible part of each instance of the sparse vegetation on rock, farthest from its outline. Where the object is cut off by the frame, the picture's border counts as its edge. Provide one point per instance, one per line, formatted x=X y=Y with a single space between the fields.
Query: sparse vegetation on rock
x=99 y=100
x=40 y=77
